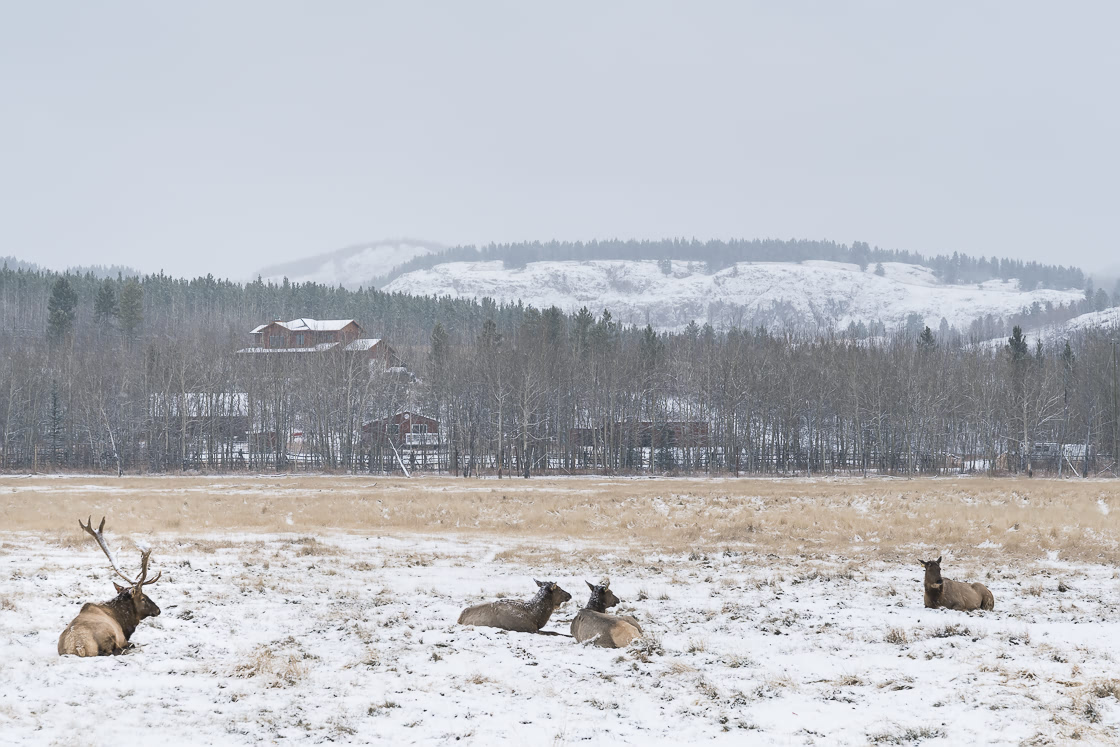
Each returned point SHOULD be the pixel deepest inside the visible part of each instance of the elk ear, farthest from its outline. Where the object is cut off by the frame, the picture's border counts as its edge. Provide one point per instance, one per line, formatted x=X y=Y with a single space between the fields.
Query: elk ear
x=606 y=582
x=924 y=564
x=939 y=560
x=589 y=585
x=538 y=583
x=120 y=589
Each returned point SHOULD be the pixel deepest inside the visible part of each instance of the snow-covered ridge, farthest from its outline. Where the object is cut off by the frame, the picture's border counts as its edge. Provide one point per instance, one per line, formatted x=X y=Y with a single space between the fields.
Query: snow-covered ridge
x=351 y=267
x=809 y=295
x=1052 y=333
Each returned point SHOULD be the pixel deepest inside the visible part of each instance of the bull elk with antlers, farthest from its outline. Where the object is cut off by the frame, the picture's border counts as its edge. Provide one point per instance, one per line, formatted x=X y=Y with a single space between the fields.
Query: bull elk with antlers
x=102 y=629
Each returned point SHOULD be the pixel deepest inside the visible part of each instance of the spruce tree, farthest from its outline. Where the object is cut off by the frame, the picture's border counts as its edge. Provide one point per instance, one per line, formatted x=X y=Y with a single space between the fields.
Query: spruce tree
x=1017 y=344
x=61 y=309
x=105 y=305
x=925 y=340
x=131 y=311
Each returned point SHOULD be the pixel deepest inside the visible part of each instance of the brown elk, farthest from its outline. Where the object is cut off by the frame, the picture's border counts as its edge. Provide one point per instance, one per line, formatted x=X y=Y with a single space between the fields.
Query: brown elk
x=515 y=614
x=102 y=629
x=953 y=595
x=593 y=624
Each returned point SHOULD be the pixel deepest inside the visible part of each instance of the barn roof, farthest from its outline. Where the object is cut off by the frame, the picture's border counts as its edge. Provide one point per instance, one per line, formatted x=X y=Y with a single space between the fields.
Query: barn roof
x=304 y=324
x=313 y=349
x=363 y=344
x=317 y=325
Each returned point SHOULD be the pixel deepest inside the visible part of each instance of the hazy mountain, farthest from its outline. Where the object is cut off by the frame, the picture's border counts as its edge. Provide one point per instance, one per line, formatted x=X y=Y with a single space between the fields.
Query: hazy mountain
x=13 y=263
x=98 y=271
x=352 y=266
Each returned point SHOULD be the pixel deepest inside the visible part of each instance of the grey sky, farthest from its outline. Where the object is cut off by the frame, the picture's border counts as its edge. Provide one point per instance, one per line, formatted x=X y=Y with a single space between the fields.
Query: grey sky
x=219 y=136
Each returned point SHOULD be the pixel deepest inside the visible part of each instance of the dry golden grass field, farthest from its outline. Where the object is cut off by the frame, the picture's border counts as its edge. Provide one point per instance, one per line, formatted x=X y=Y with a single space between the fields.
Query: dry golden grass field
x=993 y=517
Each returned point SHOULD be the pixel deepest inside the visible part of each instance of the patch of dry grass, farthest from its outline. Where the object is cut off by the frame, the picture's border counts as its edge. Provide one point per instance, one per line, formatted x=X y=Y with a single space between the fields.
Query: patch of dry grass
x=276 y=668
x=1008 y=517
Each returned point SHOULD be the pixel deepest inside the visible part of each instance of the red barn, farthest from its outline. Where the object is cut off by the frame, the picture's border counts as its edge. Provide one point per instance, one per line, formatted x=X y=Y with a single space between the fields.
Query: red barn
x=305 y=335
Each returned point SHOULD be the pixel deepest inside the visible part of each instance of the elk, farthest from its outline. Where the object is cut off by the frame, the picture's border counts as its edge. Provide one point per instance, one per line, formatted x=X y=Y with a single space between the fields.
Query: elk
x=516 y=615
x=953 y=595
x=593 y=624
x=103 y=629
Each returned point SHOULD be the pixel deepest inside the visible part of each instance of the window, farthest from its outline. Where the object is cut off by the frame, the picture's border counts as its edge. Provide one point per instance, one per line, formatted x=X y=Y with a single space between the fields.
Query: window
x=299 y=340
x=419 y=428
x=275 y=341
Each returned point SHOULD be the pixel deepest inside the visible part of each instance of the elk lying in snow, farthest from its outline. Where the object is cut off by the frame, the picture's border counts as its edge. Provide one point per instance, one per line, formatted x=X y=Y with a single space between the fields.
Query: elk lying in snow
x=953 y=595
x=594 y=625
x=516 y=615
x=102 y=629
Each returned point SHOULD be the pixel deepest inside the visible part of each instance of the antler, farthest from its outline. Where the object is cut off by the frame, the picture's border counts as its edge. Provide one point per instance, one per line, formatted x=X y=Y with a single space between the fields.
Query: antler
x=97 y=535
x=144 y=570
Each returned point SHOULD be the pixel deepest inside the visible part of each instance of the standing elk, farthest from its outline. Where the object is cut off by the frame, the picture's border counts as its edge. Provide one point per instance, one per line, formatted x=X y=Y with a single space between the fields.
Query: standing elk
x=517 y=615
x=953 y=595
x=103 y=629
x=593 y=624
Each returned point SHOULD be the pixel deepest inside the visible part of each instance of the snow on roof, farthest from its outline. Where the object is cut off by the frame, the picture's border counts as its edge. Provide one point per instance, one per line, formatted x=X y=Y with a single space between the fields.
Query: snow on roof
x=317 y=325
x=304 y=324
x=363 y=344
x=314 y=349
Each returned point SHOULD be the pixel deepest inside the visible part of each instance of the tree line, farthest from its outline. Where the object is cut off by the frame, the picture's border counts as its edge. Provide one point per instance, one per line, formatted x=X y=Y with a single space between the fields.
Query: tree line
x=143 y=374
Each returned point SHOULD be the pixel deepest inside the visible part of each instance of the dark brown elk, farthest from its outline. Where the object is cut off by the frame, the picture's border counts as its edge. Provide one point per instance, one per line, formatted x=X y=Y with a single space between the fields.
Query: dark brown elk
x=515 y=614
x=953 y=595
x=593 y=624
x=103 y=629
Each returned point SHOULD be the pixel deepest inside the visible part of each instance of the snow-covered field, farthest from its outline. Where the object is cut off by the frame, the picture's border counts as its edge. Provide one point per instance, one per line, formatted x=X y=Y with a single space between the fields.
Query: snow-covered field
x=344 y=637
x=809 y=295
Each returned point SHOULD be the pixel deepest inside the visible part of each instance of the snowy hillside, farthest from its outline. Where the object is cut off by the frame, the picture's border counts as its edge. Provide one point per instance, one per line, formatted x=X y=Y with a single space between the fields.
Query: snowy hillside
x=351 y=267
x=808 y=295
x=1107 y=319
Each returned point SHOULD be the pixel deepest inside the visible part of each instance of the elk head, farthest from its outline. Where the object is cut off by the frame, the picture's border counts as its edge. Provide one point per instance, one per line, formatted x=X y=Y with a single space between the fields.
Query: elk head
x=933 y=573
x=134 y=591
x=602 y=598
x=553 y=592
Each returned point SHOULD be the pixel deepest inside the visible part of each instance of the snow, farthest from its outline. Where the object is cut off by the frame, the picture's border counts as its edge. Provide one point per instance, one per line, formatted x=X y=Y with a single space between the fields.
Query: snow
x=318 y=348
x=316 y=325
x=353 y=639
x=811 y=294
x=1109 y=318
x=351 y=267
x=364 y=343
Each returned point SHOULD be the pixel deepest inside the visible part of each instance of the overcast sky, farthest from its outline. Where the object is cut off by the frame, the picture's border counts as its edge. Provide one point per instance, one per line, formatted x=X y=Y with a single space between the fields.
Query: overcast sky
x=220 y=136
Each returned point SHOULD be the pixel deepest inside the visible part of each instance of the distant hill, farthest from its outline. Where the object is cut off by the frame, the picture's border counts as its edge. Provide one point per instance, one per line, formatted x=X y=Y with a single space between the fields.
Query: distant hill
x=13 y=263
x=812 y=295
x=98 y=271
x=1108 y=319
x=351 y=267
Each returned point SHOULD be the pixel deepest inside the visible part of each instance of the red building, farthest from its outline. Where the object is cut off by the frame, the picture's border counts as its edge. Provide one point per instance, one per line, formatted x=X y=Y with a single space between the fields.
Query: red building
x=305 y=333
x=319 y=335
x=405 y=429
